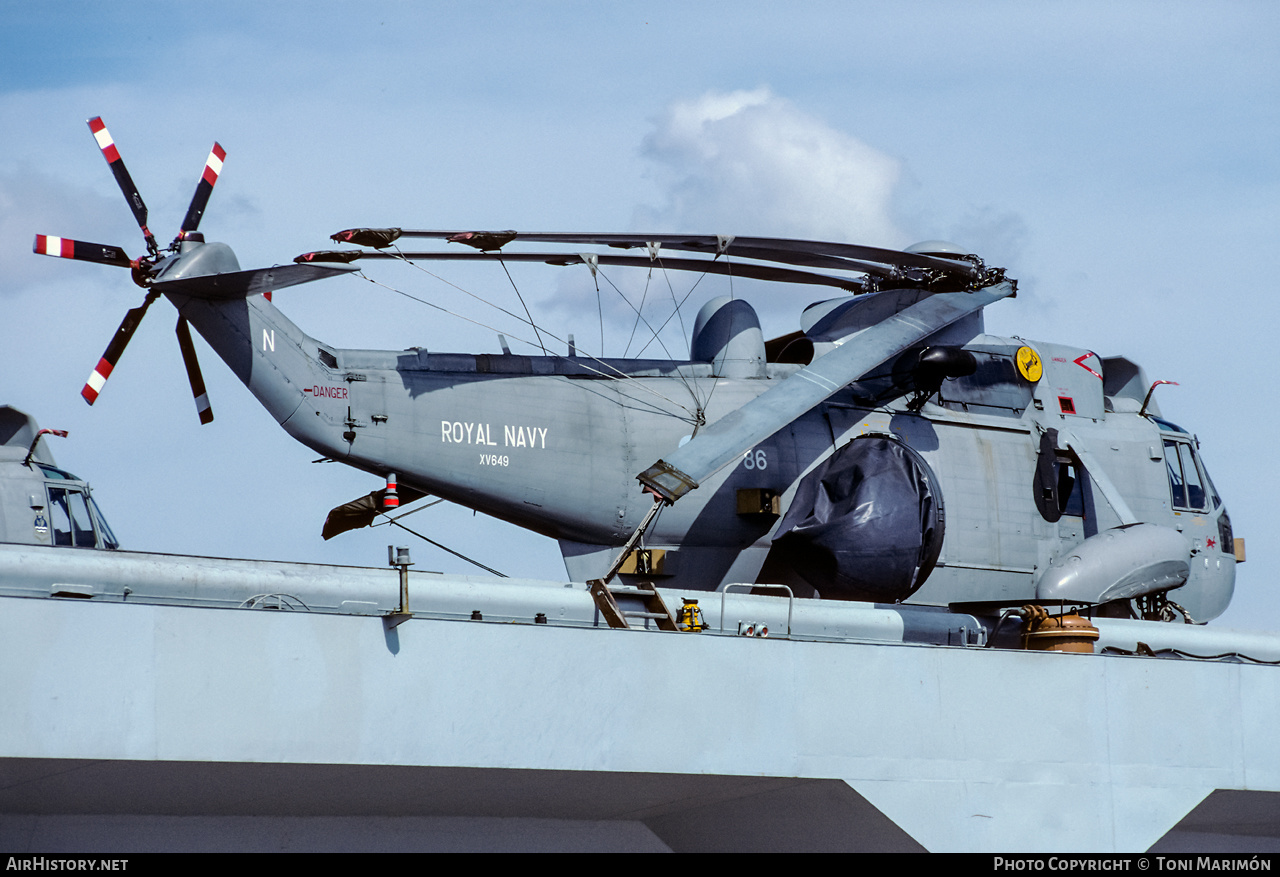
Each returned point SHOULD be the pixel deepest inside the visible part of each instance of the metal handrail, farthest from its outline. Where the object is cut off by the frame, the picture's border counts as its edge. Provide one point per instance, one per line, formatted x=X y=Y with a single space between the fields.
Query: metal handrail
x=791 y=599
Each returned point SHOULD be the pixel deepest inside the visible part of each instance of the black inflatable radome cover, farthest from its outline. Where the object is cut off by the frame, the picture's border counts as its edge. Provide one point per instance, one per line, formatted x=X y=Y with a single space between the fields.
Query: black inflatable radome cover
x=867 y=524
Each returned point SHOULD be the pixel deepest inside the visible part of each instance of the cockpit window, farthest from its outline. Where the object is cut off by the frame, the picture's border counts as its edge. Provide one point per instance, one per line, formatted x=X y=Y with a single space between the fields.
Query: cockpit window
x=1208 y=483
x=1195 y=487
x=1167 y=426
x=70 y=519
x=1186 y=483
x=108 y=538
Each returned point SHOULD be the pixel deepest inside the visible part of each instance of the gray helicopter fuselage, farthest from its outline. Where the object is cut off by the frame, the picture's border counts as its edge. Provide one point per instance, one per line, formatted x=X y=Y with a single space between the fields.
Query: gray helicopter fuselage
x=551 y=443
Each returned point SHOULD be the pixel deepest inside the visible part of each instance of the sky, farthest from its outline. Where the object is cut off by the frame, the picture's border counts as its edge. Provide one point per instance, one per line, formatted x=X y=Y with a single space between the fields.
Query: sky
x=1118 y=159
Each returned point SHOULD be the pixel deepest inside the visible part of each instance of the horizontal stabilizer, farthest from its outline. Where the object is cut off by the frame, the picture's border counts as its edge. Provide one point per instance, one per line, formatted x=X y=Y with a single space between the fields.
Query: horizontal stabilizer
x=242 y=284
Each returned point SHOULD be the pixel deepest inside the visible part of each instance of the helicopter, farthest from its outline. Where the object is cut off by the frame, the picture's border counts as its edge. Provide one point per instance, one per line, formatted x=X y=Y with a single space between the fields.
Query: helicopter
x=890 y=450
x=41 y=503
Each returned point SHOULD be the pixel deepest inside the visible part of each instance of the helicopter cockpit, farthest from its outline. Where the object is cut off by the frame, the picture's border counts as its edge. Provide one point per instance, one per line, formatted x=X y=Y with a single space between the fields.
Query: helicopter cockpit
x=41 y=504
x=1189 y=486
x=73 y=517
x=1191 y=490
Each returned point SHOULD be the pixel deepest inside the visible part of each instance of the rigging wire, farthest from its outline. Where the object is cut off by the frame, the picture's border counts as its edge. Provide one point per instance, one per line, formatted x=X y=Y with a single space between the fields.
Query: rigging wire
x=617 y=373
x=411 y=512
x=639 y=318
x=695 y=416
x=490 y=569
x=396 y=521
x=676 y=311
x=636 y=325
x=684 y=333
x=715 y=383
x=522 y=304
x=599 y=306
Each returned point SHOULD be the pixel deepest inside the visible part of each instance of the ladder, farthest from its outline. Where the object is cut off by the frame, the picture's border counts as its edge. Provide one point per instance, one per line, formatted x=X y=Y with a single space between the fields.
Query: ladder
x=617 y=613
x=641 y=602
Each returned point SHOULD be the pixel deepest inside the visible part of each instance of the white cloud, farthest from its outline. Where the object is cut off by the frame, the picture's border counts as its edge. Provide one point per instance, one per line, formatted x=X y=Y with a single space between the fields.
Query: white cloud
x=748 y=162
x=743 y=163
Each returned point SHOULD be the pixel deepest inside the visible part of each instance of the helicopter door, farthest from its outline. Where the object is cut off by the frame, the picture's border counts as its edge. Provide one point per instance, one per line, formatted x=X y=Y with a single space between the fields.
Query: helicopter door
x=70 y=519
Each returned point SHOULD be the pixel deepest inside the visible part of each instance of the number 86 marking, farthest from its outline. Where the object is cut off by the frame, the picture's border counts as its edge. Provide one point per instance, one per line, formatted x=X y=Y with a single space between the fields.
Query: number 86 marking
x=755 y=459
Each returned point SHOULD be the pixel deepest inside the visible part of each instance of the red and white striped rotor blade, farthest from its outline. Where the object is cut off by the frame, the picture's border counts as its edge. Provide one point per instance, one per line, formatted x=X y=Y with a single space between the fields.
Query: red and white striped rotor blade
x=83 y=251
x=116 y=163
x=193 y=372
x=119 y=341
x=204 y=188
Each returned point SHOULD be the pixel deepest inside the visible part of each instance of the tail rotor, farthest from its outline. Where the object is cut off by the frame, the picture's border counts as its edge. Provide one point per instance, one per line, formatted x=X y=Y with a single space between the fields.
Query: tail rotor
x=145 y=268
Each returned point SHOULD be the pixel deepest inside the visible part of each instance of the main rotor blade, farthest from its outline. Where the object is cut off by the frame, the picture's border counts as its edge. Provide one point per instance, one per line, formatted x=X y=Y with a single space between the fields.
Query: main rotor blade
x=779 y=249
x=204 y=188
x=242 y=284
x=119 y=341
x=707 y=266
x=83 y=251
x=203 y=408
x=131 y=194
x=725 y=440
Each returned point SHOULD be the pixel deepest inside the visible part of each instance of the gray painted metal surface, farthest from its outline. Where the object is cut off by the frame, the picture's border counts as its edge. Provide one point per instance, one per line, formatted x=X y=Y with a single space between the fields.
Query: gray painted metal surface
x=1094 y=752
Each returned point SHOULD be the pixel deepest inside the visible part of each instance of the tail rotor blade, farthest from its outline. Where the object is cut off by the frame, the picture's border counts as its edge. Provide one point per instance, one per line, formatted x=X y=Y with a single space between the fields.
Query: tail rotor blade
x=131 y=194
x=212 y=167
x=83 y=251
x=119 y=341
x=193 y=372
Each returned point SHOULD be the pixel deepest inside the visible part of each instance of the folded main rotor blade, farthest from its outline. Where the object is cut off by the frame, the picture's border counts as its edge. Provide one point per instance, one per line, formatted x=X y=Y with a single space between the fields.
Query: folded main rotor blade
x=203 y=408
x=707 y=266
x=725 y=440
x=782 y=249
x=809 y=260
x=204 y=188
x=119 y=341
x=83 y=251
x=131 y=194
